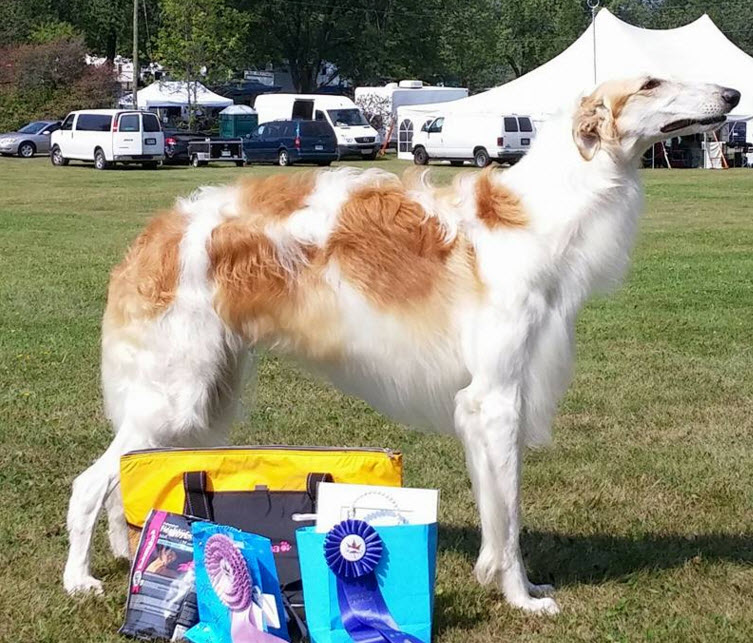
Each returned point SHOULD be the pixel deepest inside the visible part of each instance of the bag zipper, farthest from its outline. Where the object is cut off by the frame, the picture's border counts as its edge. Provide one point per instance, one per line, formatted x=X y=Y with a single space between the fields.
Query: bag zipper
x=280 y=447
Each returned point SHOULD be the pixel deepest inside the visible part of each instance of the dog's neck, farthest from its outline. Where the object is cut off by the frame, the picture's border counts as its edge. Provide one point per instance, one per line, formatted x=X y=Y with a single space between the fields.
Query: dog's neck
x=585 y=211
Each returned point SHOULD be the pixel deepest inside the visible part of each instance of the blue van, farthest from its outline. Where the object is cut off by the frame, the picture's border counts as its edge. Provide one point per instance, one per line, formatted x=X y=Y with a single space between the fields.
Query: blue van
x=288 y=142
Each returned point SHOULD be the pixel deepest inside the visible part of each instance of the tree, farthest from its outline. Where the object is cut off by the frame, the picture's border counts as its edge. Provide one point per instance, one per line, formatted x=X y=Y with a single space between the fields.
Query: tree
x=200 y=40
x=47 y=80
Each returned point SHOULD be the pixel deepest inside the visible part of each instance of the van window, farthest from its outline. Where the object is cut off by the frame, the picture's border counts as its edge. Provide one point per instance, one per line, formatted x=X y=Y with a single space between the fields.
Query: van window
x=151 y=124
x=271 y=131
x=68 y=122
x=320 y=115
x=303 y=109
x=347 y=117
x=525 y=124
x=315 y=128
x=511 y=124
x=94 y=122
x=129 y=123
x=436 y=126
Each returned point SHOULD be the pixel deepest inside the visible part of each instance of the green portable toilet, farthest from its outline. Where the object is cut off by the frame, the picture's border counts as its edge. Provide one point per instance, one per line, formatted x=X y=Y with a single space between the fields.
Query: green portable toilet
x=237 y=120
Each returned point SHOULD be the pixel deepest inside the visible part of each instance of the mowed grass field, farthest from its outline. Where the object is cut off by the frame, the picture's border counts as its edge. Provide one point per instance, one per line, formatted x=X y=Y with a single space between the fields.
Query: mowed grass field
x=641 y=512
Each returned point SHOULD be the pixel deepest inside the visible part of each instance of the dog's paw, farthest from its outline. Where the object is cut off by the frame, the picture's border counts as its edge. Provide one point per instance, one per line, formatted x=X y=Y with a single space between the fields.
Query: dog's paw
x=83 y=585
x=537 y=605
x=537 y=591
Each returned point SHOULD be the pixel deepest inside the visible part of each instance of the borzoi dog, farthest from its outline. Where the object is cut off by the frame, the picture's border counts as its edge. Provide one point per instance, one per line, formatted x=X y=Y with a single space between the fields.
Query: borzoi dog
x=449 y=307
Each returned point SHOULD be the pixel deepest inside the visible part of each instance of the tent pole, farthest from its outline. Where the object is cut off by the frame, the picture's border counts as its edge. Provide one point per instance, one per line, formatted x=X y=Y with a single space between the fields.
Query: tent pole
x=666 y=156
x=594 y=5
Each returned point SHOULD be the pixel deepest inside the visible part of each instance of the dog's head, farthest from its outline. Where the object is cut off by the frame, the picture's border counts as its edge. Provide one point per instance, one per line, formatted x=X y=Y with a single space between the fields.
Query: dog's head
x=625 y=117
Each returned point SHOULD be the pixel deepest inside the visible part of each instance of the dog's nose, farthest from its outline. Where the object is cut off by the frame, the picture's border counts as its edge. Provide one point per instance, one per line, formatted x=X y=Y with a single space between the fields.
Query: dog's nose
x=731 y=97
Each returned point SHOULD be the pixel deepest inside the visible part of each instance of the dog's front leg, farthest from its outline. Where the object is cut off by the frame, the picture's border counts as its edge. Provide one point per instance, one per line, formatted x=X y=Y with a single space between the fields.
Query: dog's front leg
x=489 y=419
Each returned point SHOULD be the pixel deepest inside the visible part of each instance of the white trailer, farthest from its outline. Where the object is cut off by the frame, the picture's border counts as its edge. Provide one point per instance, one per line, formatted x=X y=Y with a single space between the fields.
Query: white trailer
x=380 y=103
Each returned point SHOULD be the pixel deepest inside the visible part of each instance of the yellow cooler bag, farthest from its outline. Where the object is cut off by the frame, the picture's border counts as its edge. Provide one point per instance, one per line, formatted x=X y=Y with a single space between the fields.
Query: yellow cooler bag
x=157 y=478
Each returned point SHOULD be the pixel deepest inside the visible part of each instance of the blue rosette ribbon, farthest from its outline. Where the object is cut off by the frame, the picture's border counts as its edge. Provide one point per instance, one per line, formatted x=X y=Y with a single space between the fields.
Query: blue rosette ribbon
x=353 y=550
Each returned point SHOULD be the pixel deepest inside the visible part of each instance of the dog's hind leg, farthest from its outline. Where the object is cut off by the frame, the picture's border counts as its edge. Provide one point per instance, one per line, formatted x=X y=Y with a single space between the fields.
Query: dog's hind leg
x=117 y=528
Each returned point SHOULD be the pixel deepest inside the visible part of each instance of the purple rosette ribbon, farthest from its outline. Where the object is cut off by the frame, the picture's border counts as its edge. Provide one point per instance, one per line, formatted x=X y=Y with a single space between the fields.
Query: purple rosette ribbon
x=353 y=550
x=232 y=583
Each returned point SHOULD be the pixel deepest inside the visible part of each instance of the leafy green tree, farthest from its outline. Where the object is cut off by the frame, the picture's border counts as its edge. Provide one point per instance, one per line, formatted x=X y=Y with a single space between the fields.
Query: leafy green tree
x=201 y=40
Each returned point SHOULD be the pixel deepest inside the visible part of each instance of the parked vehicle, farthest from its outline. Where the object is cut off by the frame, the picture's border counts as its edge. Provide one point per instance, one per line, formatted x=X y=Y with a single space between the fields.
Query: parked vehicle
x=209 y=149
x=381 y=103
x=288 y=142
x=31 y=139
x=479 y=138
x=107 y=136
x=355 y=137
x=176 y=145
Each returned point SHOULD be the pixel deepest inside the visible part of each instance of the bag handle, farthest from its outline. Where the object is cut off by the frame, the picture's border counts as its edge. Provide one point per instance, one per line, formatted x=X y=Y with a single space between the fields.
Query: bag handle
x=197 y=500
x=312 y=483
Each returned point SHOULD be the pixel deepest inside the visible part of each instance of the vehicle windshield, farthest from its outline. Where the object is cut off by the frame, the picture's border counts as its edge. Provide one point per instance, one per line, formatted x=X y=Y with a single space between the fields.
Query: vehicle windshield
x=346 y=117
x=32 y=128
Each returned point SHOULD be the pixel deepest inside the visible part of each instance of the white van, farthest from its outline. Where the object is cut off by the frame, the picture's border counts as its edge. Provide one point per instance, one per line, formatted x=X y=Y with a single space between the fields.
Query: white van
x=355 y=137
x=479 y=138
x=107 y=136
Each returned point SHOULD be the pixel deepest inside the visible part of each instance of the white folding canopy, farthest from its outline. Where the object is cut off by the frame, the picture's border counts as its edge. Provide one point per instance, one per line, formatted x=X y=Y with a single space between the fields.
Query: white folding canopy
x=698 y=51
x=174 y=93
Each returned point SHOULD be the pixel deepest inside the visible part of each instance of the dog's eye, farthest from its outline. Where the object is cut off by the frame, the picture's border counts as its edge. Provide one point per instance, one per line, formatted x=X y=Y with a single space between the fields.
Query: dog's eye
x=651 y=83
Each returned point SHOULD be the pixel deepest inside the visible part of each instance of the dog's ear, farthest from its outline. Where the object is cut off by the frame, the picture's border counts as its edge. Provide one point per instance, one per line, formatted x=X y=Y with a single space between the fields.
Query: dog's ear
x=589 y=126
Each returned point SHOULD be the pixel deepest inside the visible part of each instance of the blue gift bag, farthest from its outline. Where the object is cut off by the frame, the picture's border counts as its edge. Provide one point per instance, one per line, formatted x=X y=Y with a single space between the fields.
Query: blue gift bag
x=363 y=583
x=237 y=589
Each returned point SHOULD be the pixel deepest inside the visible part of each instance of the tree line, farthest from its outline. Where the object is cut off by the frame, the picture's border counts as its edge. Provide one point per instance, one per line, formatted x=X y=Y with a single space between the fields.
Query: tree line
x=473 y=43
x=470 y=43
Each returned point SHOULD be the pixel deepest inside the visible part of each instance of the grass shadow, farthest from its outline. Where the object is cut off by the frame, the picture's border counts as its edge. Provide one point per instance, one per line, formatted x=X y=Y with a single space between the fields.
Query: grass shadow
x=562 y=559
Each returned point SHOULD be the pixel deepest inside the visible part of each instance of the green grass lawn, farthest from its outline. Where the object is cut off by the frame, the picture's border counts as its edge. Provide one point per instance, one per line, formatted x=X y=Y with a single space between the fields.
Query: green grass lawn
x=641 y=513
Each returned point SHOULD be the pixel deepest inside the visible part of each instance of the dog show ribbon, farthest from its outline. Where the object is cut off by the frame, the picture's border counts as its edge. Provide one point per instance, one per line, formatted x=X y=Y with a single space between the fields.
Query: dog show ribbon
x=353 y=550
x=233 y=585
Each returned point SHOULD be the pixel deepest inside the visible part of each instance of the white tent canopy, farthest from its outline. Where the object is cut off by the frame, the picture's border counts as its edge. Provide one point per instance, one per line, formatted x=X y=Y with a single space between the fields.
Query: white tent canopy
x=697 y=52
x=174 y=93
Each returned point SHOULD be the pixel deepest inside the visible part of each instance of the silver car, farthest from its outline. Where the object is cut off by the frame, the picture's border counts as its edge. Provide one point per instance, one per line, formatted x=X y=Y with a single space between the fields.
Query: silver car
x=31 y=139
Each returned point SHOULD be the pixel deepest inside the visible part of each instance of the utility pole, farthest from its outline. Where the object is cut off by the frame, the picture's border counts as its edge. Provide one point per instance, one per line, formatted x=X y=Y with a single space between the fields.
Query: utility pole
x=135 y=53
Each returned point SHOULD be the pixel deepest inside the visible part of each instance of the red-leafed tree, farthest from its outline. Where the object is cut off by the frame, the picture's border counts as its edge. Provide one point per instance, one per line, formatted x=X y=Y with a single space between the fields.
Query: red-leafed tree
x=47 y=80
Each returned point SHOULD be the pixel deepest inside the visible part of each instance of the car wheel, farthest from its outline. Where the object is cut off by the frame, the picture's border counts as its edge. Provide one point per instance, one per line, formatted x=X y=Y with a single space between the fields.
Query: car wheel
x=240 y=163
x=481 y=157
x=100 y=160
x=283 y=158
x=56 y=157
x=420 y=157
x=27 y=150
x=195 y=162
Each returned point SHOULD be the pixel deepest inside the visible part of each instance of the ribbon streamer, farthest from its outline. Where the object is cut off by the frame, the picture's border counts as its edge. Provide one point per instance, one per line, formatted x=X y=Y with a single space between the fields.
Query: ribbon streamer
x=353 y=550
